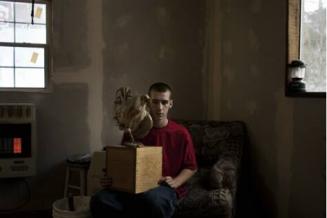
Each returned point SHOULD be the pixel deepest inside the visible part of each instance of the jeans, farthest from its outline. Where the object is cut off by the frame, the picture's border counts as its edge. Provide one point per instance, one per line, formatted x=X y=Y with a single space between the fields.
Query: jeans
x=155 y=203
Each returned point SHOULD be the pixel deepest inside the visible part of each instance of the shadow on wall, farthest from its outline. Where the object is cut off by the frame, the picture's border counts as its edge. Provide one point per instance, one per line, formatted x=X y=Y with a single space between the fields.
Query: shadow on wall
x=151 y=41
x=53 y=180
x=69 y=34
x=308 y=184
x=62 y=126
x=62 y=130
x=254 y=199
x=24 y=194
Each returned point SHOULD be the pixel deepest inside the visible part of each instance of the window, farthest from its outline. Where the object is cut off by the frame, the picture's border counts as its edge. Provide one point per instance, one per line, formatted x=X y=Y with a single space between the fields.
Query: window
x=307 y=42
x=23 y=45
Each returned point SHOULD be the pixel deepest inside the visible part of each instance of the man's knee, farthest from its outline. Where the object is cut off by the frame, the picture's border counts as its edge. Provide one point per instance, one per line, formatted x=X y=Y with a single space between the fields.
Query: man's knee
x=106 y=200
x=95 y=201
x=160 y=199
x=100 y=197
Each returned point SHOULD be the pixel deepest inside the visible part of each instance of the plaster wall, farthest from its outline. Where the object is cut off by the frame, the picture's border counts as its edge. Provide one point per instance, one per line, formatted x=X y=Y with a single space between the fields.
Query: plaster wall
x=287 y=135
x=99 y=46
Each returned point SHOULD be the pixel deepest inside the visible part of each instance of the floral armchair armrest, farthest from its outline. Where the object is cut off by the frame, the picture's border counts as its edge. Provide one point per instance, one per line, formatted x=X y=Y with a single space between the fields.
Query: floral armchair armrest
x=223 y=175
x=212 y=190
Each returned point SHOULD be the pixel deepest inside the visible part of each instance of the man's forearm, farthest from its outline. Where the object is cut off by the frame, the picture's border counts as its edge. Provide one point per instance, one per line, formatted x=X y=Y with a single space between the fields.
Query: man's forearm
x=183 y=176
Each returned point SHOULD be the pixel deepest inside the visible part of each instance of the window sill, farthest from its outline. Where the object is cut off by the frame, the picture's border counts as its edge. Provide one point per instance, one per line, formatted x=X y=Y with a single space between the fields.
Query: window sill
x=305 y=94
x=26 y=90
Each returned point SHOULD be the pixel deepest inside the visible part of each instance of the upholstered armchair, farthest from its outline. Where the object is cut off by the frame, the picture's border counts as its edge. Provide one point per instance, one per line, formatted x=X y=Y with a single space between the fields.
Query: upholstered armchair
x=212 y=190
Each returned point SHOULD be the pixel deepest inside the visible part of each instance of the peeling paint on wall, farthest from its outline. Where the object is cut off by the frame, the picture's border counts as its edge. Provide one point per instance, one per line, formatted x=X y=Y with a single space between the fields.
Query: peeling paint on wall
x=287 y=135
x=255 y=6
x=163 y=16
x=251 y=107
x=253 y=40
x=228 y=47
x=254 y=71
x=69 y=48
x=165 y=43
x=228 y=74
x=123 y=21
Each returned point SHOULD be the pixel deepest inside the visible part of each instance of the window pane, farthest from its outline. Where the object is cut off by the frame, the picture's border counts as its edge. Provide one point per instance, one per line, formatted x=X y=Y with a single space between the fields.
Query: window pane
x=26 y=77
x=6 y=56
x=6 y=77
x=6 y=32
x=22 y=67
x=29 y=57
x=23 y=13
x=6 y=11
x=313 y=44
x=31 y=33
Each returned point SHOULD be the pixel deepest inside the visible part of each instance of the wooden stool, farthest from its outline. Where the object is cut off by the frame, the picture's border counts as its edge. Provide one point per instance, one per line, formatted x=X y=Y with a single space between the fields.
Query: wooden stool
x=78 y=167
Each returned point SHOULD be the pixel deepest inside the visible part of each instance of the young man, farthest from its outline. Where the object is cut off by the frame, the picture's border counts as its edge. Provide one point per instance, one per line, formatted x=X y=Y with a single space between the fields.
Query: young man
x=179 y=164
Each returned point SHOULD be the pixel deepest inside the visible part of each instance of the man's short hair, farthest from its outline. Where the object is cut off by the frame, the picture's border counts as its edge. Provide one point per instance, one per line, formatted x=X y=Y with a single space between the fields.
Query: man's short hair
x=160 y=87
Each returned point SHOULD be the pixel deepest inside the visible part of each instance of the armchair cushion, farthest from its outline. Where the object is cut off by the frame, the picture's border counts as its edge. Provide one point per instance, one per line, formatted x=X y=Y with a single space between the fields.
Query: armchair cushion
x=202 y=202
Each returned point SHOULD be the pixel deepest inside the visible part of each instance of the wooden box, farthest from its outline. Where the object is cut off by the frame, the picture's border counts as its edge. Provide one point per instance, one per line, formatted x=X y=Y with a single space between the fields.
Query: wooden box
x=134 y=169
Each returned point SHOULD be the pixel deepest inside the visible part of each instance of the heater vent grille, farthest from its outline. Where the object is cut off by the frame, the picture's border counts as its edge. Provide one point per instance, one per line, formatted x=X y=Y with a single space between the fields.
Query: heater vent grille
x=16 y=112
x=17 y=140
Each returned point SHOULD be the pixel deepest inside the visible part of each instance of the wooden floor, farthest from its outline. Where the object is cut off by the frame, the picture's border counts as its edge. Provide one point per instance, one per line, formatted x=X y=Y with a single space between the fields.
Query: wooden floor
x=28 y=214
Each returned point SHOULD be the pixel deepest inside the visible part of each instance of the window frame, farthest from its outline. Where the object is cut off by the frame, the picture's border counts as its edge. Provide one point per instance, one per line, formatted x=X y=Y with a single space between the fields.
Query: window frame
x=293 y=31
x=46 y=46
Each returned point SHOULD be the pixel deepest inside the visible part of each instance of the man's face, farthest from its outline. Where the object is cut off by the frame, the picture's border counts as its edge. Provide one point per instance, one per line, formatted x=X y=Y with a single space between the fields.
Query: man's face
x=160 y=103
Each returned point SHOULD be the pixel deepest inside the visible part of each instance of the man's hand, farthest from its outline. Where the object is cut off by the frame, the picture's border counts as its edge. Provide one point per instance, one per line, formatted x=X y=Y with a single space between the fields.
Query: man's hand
x=105 y=181
x=179 y=180
x=168 y=180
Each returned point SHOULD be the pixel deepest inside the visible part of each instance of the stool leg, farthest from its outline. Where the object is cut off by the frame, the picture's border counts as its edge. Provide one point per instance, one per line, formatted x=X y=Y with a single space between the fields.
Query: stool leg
x=82 y=182
x=66 y=182
x=85 y=181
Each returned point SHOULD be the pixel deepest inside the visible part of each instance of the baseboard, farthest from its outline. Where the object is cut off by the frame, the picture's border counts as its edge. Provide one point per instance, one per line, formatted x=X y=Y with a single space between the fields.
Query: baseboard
x=27 y=214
